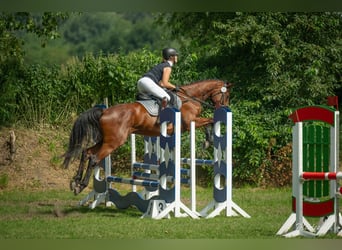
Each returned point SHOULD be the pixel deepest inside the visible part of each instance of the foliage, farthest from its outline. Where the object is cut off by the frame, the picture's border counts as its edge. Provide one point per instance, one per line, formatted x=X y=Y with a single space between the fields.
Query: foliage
x=44 y=26
x=115 y=75
x=11 y=53
x=111 y=32
x=55 y=52
x=278 y=58
x=98 y=33
x=277 y=61
x=10 y=71
x=94 y=78
x=42 y=97
x=257 y=138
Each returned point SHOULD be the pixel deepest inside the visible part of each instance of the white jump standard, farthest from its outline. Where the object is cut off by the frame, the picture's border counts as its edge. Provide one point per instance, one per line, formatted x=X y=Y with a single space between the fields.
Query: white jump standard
x=223 y=168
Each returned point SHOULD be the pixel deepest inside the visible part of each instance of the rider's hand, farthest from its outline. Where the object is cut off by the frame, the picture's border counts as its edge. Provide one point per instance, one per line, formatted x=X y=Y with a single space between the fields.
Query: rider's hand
x=176 y=89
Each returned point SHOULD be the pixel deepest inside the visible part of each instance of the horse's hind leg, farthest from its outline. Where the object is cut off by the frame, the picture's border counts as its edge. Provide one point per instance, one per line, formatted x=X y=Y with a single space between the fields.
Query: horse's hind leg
x=97 y=154
x=78 y=177
x=85 y=181
x=78 y=183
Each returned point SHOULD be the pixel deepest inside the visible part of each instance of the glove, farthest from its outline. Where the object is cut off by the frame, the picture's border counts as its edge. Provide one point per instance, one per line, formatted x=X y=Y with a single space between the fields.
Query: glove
x=176 y=89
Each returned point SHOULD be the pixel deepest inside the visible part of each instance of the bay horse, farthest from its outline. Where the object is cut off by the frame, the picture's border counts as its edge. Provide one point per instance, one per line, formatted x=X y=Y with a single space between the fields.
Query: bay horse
x=107 y=129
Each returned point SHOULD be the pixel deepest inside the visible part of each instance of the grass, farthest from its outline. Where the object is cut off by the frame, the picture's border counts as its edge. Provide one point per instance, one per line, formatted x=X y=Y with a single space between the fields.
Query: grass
x=55 y=215
x=3 y=180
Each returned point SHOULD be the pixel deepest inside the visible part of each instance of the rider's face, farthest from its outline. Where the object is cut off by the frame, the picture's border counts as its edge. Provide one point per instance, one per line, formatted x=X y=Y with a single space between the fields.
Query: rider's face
x=175 y=59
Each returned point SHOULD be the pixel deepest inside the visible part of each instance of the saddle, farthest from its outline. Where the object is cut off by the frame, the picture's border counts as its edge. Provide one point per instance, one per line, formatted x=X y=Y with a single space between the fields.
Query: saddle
x=153 y=104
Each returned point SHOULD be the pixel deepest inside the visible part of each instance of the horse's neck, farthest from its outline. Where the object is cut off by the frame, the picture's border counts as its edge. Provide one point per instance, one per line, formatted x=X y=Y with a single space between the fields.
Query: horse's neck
x=199 y=90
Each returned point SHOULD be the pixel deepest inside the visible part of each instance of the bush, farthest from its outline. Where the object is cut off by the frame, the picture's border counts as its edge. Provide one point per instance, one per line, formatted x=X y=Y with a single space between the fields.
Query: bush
x=42 y=99
x=257 y=137
x=53 y=95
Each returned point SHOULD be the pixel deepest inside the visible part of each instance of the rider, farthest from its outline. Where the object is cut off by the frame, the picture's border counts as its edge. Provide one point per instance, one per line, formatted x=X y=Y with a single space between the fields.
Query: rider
x=157 y=78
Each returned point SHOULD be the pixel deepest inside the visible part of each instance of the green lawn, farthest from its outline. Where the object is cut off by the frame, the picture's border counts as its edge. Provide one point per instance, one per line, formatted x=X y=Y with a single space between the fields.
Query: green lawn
x=32 y=215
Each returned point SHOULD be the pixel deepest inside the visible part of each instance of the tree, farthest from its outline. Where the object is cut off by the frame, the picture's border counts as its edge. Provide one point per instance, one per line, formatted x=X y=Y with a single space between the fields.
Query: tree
x=277 y=61
x=12 y=25
x=285 y=59
x=111 y=32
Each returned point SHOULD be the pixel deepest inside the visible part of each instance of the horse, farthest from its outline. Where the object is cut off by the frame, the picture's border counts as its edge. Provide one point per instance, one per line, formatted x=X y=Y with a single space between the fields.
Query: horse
x=106 y=129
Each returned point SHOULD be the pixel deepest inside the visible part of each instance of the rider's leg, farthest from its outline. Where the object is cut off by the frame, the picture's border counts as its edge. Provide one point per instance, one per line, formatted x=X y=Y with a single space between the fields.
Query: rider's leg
x=164 y=103
x=147 y=86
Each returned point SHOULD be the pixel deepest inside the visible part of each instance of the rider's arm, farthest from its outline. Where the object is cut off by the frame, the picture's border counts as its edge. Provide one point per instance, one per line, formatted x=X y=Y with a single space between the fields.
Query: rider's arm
x=166 y=77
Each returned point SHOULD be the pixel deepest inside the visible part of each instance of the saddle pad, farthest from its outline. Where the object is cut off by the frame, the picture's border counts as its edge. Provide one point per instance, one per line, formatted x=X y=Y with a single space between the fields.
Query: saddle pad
x=151 y=106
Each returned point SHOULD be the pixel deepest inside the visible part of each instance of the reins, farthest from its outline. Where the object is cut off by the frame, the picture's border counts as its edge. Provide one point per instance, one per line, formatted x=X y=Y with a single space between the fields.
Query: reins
x=194 y=98
x=185 y=94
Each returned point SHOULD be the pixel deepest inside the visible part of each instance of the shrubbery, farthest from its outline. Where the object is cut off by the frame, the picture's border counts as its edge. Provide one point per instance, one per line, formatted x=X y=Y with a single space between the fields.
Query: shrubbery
x=278 y=61
x=41 y=95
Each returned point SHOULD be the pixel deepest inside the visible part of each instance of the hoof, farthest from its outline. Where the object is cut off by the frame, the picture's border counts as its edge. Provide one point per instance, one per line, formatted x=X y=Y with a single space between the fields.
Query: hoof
x=72 y=185
x=206 y=144
x=77 y=190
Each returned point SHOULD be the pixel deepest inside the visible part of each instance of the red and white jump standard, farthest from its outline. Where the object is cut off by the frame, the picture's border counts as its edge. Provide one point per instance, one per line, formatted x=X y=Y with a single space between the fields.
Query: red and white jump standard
x=315 y=176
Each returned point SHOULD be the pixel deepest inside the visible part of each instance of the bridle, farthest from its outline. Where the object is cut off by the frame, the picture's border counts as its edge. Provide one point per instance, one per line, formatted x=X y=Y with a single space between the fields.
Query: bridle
x=222 y=91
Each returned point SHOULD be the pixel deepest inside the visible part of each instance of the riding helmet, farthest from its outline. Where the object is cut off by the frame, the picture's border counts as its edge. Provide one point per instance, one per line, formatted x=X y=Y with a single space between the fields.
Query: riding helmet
x=168 y=52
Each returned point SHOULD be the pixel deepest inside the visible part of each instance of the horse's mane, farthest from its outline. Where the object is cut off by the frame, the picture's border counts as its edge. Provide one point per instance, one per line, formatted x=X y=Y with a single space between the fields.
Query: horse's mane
x=201 y=81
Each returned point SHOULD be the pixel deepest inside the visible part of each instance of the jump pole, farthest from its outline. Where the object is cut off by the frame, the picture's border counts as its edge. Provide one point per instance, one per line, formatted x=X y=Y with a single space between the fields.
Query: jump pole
x=151 y=156
x=193 y=167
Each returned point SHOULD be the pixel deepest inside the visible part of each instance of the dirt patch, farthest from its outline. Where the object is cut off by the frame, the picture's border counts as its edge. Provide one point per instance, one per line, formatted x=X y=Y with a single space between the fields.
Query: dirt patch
x=37 y=160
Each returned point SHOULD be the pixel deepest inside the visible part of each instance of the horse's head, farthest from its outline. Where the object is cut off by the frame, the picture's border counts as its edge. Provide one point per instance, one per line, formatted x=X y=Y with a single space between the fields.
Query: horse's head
x=217 y=91
x=220 y=92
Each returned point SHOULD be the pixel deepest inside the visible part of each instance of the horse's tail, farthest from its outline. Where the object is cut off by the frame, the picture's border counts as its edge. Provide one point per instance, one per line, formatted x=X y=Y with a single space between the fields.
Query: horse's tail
x=86 y=130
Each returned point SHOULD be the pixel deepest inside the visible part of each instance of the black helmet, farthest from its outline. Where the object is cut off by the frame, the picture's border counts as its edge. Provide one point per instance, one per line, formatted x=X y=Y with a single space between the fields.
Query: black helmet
x=168 y=52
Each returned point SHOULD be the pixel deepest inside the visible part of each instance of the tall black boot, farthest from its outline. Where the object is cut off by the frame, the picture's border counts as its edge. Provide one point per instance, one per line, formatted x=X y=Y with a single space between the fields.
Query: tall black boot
x=162 y=105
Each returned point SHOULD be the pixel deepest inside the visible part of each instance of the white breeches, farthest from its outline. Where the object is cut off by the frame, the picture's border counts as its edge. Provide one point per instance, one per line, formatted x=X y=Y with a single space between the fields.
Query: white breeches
x=149 y=87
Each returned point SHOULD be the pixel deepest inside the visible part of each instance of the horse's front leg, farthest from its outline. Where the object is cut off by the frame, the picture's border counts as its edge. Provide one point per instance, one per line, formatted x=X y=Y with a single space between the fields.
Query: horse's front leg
x=207 y=123
x=208 y=136
x=199 y=122
x=202 y=122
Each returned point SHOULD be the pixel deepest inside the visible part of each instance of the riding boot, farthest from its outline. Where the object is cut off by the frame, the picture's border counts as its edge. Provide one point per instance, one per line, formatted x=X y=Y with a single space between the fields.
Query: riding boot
x=162 y=105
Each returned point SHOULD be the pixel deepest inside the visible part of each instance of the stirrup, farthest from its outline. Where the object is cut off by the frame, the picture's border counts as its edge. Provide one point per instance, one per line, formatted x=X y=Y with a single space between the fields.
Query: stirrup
x=164 y=103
